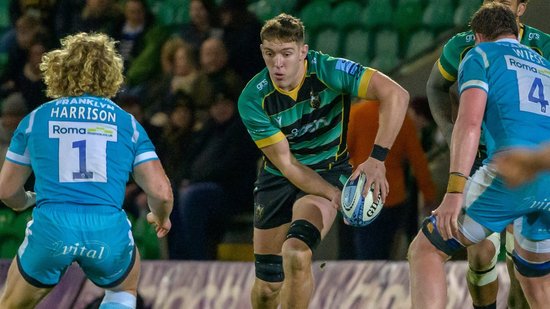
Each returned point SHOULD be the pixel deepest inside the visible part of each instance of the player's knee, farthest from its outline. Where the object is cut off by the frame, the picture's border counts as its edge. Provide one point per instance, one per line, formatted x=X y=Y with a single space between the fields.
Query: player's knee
x=482 y=276
x=429 y=229
x=509 y=243
x=265 y=292
x=9 y=302
x=418 y=247
x=118 y=300
x=296 y=254
x=483 y=256
x=269 y=267
x=304 y=231
x=528 y=268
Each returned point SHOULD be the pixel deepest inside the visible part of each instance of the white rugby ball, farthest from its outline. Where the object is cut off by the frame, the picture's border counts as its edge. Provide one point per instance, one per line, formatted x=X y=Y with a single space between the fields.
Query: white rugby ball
x=357 y=209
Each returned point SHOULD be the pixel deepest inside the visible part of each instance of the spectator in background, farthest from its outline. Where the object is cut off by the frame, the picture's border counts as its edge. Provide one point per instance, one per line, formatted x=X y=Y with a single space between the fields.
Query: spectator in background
x=181 y=73
x=135 y=203
x=174 y=150
x=12 y=223
x=213 y=59
x=75 y=16
x=44 y=10
x=433 y=143
x=28 y=81
x=240 y=35
x=16 y=42
x=219 y=180
x=133 y=104
x=203 y=24
x=374 y=242
x=141 y=39
x=177 y=136
x=14 y=108
x=137 y=21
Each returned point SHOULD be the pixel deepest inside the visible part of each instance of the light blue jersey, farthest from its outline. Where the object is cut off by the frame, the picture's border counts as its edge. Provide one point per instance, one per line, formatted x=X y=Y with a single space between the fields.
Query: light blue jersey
x=82 y=150
x=517 y=82
x=97 y=145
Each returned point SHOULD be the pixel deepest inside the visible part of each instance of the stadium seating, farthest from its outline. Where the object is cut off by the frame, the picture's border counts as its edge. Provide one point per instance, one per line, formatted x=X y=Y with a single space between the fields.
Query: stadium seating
x=346 y=15
x=4 y=15
x=264 y=9
x=385 y=63
x=386 y=48
x=316 y=16
x=439 y=16
x=356 y=46
x=387 y=43
x=328 y=41
x=377 y=14
x=464 y=12
x=408 y=17
x=170 y=12
x=419 y=42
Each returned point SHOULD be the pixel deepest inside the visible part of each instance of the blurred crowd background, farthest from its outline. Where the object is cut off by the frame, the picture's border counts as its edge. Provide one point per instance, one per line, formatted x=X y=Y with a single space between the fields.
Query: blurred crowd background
x=186 y=62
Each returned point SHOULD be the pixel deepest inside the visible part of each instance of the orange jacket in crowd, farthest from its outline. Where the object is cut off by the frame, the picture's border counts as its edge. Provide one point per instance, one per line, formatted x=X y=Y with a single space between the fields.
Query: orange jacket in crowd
x=363 y=125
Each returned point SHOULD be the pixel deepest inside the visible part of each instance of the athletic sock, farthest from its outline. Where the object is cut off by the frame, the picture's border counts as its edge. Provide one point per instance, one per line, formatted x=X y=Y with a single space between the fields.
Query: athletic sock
x=491 y=306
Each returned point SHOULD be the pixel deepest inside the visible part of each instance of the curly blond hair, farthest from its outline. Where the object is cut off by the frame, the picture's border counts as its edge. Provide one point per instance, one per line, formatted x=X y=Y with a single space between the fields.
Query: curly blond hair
x=86 y=63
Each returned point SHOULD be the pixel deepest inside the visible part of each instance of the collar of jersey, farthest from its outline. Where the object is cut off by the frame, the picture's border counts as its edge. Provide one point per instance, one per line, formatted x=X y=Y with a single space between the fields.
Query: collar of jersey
x=521 y=31
x=508 y=40
x=294 y=92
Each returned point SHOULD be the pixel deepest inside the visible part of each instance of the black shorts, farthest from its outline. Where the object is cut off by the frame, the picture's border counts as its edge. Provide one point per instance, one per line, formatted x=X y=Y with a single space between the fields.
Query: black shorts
x=274 y=196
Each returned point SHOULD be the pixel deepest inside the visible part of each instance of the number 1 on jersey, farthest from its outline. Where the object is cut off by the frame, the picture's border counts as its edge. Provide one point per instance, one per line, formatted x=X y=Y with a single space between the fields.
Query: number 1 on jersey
x=82 y=173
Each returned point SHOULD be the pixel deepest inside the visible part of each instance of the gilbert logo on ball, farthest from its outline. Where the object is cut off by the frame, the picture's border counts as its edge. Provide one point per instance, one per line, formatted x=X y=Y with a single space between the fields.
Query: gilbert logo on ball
x=357 y=209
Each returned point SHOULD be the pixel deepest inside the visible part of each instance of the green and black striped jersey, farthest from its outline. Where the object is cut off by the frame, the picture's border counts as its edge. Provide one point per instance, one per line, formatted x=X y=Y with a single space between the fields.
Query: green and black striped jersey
x=313 y=117
x=457 y=47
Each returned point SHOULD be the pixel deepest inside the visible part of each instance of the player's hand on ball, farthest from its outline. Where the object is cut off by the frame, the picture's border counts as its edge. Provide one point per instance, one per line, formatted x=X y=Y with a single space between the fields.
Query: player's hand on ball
x=162 y=228
x=335 y=198
x=376 y=175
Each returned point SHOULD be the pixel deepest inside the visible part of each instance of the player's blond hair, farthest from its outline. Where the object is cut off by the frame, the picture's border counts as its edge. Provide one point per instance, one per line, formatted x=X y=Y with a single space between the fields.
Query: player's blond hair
x=283 y=27
x=86 y=63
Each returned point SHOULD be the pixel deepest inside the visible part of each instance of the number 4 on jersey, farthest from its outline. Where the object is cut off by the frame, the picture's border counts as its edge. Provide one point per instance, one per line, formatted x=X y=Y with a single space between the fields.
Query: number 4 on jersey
x=536 y=94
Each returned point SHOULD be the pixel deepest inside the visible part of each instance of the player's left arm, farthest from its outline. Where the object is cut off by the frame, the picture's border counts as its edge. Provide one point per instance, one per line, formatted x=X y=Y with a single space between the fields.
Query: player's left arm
x=464 y=144
x=12 y=178
x=394 y=101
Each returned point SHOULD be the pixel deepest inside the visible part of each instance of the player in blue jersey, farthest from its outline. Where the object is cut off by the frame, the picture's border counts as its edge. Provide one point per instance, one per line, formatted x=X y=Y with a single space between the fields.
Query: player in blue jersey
x=482 y=274
x=503 y=87
x=81 y=147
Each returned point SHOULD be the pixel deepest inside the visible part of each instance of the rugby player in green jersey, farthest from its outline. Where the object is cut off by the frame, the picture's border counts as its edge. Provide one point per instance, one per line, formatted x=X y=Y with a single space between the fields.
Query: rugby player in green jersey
x=482 y=275
x=296 y=110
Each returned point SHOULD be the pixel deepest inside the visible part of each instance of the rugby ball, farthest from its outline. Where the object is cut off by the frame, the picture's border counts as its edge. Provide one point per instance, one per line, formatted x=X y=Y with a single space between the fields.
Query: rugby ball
x=359 y=210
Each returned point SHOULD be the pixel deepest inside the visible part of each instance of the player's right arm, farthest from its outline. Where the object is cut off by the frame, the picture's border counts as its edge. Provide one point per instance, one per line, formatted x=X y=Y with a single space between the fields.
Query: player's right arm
x=439 y=99
x=12 y=178
x=299 y=174
x=150 y=176
x=16 y=170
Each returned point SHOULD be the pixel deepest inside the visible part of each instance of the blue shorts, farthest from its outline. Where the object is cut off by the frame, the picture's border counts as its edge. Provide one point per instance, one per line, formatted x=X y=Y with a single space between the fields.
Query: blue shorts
x=492 y=204
x=98 y=238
